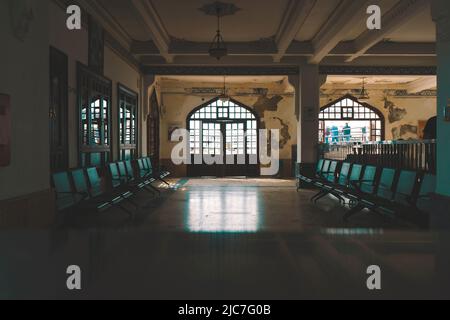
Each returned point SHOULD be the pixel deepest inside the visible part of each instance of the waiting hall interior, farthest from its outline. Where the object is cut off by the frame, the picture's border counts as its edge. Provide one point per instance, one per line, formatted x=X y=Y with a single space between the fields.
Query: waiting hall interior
x=232 y=149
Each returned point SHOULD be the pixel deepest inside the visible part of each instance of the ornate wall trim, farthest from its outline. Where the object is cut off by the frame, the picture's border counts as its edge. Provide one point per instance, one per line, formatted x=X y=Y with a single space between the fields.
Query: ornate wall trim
x=225 y=70
x=285 y=70
x=385 y=70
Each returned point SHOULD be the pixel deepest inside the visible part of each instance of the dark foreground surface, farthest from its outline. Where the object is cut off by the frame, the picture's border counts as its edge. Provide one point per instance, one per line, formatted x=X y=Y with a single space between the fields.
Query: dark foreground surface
x=226 y=239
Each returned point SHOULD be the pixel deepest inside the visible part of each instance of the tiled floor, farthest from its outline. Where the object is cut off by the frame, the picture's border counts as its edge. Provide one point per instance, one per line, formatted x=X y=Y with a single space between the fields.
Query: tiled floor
x=227 y=238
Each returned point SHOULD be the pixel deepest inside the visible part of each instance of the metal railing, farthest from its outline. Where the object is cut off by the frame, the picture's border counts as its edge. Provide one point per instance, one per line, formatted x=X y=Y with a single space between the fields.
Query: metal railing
x=419 y=155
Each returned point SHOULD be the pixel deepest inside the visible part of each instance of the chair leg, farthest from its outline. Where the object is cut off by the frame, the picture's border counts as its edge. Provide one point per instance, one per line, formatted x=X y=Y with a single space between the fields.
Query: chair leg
x=325 y=193
x=358 y=208
x=164 y=181
x=340 y=198
x=130 y=213
x=155 y=189
x=144 y=187
x=132 y=202
x=149 y=189
x=319 y=194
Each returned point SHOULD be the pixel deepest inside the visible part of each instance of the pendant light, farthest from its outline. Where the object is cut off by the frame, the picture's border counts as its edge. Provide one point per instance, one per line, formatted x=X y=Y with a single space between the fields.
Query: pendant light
x=218 y=48
x=364 y=94
x=224 y=97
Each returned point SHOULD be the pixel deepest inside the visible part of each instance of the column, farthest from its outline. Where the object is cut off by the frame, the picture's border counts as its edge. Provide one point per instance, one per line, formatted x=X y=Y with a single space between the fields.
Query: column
x=441 y=15
x=440 y=216
x=307 y=100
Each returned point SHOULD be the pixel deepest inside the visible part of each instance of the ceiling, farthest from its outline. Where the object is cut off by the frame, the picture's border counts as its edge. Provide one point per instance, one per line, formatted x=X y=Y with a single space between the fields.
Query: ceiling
x=316 y=19
x=270 y=31
x=256 y=19
x=122 y=14
x=420 y=28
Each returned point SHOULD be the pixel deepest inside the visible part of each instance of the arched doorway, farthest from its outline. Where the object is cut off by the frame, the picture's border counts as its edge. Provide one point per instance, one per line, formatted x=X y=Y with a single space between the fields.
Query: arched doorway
x=226 y=130
x=348 y=120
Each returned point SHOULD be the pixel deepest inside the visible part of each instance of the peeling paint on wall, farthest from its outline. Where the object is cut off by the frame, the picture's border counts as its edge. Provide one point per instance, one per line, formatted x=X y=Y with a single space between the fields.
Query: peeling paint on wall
x=267 y=100
x=405 y=132
x=285 y=137
x=397 y=109
x=395 y=114
x=264 y=103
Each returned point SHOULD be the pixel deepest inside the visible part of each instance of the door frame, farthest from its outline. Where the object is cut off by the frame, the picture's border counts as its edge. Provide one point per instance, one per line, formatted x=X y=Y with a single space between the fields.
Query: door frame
x=64 y=86
x=193 y=172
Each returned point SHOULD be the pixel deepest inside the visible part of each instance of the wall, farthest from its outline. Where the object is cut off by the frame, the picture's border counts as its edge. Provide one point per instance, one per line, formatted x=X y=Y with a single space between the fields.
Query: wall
x=75 y=45
x=275 y=107
x=25 y=195
x=402 y=112
x=25 y=76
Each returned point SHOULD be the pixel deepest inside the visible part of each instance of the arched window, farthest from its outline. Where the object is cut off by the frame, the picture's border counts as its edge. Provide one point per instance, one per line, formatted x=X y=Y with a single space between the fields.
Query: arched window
x=94 y=99
x=128 y=126
x=239 y=124
x=348 y=120
x=228 y=130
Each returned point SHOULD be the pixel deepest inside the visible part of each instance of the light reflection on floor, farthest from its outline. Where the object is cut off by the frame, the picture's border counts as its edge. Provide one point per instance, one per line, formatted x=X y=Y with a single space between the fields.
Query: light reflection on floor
x=223 y=210
x=208 y=240
x=352 y=232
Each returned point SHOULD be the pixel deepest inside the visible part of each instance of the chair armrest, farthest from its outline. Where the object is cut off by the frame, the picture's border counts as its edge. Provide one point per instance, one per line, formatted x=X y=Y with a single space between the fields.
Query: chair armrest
x=84 y=194
x=322 y=174
x=359 y=182
x=411 y=201
x=365 y=181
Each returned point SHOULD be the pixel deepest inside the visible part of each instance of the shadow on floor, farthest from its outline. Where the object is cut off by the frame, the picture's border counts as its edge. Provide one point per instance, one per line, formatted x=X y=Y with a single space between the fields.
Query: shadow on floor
x=209 y=240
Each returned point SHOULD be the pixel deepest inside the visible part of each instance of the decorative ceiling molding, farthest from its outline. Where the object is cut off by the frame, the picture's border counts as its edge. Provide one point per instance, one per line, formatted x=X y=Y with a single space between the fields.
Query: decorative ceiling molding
x=386 y=48
x=146 y=12
x=264 y=46
x=144 y=48
x=389 y=48
x=224 y=9
x=326 y=48
x=391 y=21
x=101 y=15
x=267 y=46
x=293 y=20
x=285 y=70
x=344 y=19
